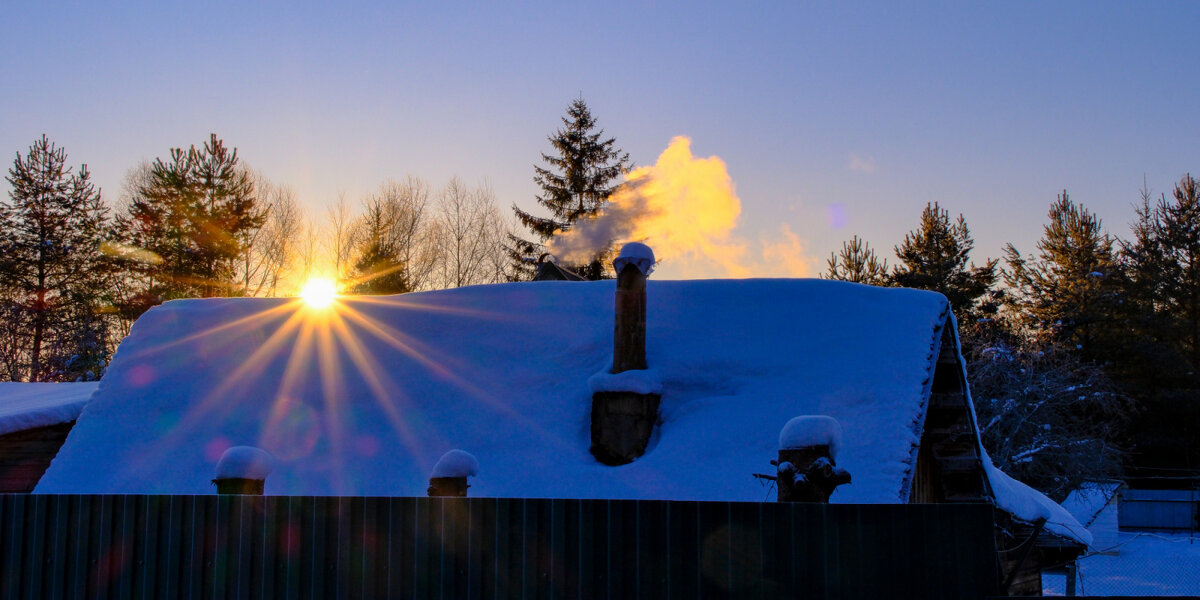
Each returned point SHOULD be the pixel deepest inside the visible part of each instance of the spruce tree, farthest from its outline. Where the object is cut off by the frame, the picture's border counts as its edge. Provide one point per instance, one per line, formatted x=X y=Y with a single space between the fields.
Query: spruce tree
x=1068 y=293
x=190 y=222
x=379 y=268
x=934 y=257
x=52 y=269
x=576 y=182
x=856 y=262
x=1163 y=263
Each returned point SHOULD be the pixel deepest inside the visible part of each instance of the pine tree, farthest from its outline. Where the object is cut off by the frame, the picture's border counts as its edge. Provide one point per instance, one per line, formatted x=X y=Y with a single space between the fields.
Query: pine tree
x=856 y=262
x=51 y=265
x=379 y=244
x=1068 y=293
x=576 y=183
x=193 y=218
x=1163 y=263
x=934 y=257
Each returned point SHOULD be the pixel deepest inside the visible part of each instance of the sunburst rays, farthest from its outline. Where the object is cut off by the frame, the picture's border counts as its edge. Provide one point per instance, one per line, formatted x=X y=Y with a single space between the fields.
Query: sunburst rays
x=316 y=360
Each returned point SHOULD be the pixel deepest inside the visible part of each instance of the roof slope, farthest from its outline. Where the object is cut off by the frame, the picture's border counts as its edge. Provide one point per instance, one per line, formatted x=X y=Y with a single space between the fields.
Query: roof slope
x=366 y=402
x=26 y=406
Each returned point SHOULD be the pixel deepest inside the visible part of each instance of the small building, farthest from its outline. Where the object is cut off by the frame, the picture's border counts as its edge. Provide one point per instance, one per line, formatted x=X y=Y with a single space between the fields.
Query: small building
x=364 y=397
x=35 y=419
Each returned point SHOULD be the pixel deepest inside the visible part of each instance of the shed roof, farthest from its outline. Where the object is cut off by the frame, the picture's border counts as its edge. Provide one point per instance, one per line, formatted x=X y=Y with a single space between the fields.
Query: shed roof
x=364 y=398
x=26 y=406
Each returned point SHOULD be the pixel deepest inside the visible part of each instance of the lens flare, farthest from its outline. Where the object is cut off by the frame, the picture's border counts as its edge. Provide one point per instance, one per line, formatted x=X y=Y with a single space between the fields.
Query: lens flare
x=319 y=293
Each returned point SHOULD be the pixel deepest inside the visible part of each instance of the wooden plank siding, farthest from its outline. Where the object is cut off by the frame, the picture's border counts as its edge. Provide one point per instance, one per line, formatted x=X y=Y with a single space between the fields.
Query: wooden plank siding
x=249 y=547
x=25 y=456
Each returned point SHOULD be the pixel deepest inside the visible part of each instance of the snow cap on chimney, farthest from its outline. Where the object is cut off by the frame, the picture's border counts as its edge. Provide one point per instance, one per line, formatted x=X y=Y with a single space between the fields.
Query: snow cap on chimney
x=636 y=254
x=245 y=462
x=456 y=463
x=811 y=430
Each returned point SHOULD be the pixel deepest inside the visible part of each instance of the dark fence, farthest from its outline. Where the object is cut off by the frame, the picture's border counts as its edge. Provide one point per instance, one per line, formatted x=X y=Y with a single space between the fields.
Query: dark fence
x=1159 y=509
x=329 y=547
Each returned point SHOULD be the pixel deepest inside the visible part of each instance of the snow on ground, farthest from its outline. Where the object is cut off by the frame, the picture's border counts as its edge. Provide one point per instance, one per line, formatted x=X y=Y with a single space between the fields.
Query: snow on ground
x=365 y=398
x=1144 y=563
x=29 y=405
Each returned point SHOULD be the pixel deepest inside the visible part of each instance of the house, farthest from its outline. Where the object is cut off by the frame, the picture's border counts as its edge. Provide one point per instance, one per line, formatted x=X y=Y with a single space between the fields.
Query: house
x=34 y=421
x=363 y=398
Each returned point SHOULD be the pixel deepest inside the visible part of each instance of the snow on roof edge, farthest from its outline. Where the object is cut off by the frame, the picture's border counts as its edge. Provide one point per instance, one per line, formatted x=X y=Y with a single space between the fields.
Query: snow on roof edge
x=25 y=406
x=918 y=424
x=1010 y=495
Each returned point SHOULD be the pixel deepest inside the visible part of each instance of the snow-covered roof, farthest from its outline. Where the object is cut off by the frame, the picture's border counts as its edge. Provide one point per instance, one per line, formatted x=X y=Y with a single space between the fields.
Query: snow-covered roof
x=365 y=398
x=1090 y=498
x=28 y=405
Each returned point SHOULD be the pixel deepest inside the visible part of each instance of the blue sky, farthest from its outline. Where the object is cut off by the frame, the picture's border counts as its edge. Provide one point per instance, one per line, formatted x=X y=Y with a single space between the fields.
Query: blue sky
x=862 y=112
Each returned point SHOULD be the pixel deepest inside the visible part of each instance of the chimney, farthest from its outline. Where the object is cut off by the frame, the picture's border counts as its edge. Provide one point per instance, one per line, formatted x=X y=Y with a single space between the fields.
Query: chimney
x=625 y=409
x=449 y=476
x=633 y=265
x=243 y=470
x=807 y=467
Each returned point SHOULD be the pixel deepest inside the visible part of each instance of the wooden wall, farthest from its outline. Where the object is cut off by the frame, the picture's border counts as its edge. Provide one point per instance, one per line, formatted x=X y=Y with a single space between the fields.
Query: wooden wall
x=329 y=547
x=25 y=456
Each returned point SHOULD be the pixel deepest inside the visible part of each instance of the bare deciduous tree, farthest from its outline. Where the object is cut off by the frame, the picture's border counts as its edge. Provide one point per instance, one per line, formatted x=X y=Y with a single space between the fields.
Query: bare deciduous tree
x=470 y=234
x=271 y=253
x=339 y=236
x=1046 y=417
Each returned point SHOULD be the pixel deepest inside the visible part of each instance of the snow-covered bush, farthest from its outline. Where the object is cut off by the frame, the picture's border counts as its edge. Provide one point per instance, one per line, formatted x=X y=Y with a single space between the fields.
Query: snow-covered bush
x=1046 y=417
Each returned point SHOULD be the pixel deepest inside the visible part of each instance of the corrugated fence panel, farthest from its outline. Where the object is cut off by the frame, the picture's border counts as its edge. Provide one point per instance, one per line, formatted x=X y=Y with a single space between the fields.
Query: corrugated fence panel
x=251 y=547
x=1158 y=509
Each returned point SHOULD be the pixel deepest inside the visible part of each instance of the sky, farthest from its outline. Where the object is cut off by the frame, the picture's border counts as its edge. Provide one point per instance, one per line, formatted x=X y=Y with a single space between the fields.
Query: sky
x=832 y=119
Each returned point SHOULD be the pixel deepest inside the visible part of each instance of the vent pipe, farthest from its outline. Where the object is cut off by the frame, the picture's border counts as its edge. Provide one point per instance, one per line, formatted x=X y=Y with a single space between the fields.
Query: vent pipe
x=623 y=411
x=449 y=476
x=243 y=470
x=807 y=463
x=633 y=265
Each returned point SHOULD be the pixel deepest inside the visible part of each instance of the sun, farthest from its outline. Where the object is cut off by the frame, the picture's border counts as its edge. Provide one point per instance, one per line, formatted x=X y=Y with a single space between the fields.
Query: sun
x=318 y=292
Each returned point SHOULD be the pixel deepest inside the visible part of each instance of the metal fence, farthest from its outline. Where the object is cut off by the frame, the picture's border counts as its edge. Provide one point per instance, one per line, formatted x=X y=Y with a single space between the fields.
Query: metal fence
x=1159 y=509
x=1140 y=564
x=330 y=547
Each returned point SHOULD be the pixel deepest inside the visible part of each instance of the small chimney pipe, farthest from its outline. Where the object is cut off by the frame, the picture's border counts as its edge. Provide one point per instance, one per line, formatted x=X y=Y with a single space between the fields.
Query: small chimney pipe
x=243 y=470
x=449 y=476
x=623 y=419
x=629 y=327
x=807 y=464
x=633 y=265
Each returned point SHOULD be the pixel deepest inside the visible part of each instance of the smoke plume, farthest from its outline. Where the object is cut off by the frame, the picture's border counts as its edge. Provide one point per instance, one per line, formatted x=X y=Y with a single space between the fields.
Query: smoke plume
x=682 y=206
x=686 y=209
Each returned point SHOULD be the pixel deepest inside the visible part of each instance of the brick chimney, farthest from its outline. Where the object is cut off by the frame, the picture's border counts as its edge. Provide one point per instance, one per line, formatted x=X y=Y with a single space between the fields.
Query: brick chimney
x=624 y=419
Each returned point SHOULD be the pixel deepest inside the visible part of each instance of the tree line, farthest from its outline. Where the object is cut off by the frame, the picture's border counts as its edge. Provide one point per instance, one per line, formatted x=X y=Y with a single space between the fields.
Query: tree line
x=1083 y=355
x=76 y=272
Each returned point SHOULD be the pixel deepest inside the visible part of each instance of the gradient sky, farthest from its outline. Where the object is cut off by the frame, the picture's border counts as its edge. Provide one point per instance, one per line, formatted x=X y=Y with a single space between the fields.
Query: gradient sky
x=834 y=118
